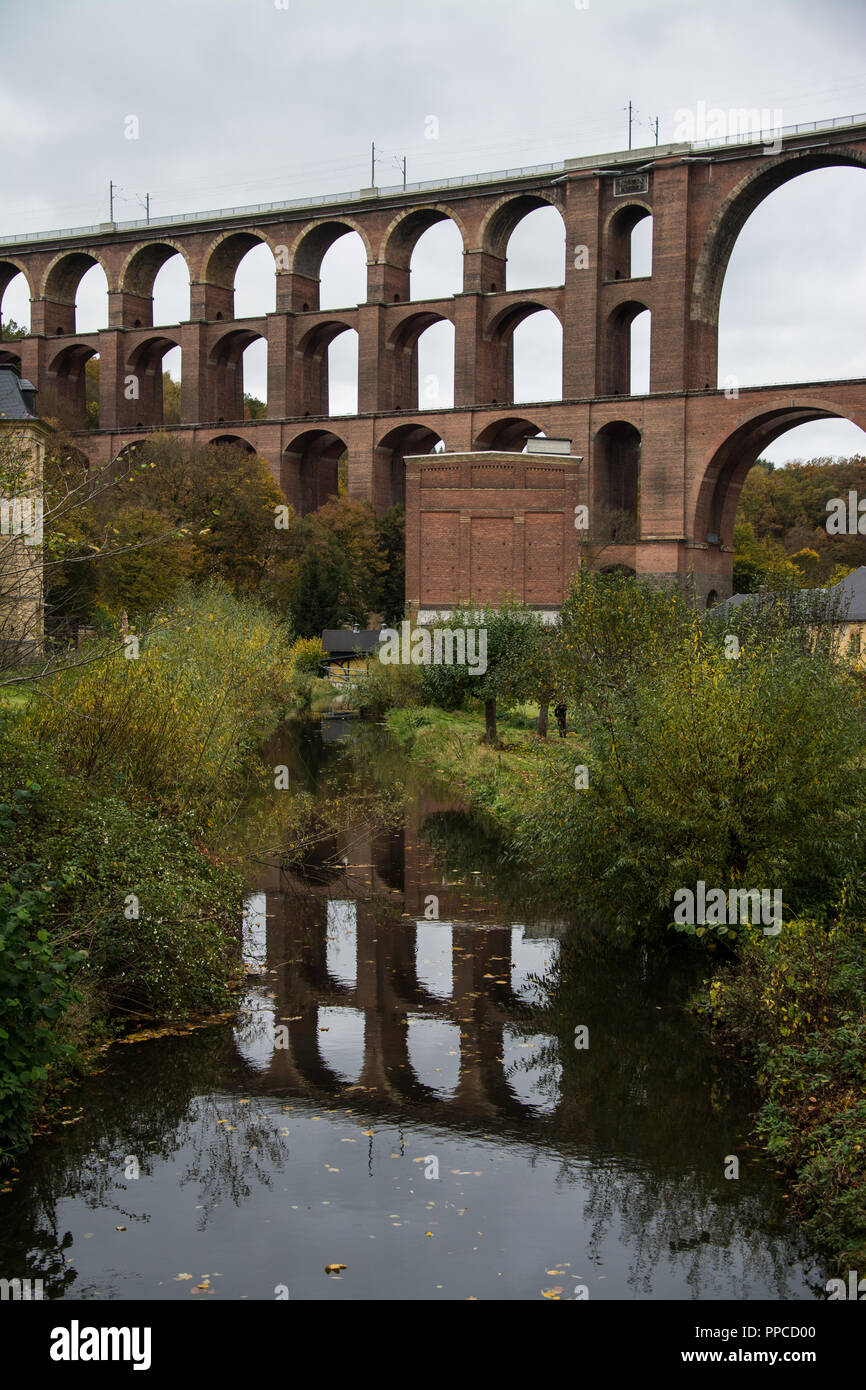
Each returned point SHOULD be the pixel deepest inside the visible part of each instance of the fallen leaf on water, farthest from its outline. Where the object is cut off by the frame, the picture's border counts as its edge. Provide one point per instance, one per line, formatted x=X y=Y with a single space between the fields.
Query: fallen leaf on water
x=120 y=1228
x=553 y=1293
x=182 y=1276
x=333 y=1269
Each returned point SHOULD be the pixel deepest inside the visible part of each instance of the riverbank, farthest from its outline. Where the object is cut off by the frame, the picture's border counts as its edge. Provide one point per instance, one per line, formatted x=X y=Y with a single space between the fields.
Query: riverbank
x=120 y=785
x=795 y=1006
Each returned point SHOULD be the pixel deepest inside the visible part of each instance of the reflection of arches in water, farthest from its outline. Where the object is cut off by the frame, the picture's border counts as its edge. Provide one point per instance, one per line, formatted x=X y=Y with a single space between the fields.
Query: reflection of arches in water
x=342 y=946
x=341 y=1041
x=254 y=1032
x=433 y=959
x=533 y=1074
x=532 y=961
x=434 y=1053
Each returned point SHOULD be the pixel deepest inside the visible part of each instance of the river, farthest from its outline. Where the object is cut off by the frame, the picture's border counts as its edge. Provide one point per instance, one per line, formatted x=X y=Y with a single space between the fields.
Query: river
x=443 y=1090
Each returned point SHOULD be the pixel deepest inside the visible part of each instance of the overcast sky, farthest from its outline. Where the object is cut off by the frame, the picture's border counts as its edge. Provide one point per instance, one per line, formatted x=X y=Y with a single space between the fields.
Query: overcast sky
x=244 y=101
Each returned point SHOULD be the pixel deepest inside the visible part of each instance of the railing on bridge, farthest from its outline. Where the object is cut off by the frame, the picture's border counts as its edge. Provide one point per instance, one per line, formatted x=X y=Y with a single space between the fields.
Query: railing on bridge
x=430 y=186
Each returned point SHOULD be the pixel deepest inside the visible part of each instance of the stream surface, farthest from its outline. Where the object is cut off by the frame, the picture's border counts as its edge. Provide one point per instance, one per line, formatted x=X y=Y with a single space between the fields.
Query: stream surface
x=401 y=1093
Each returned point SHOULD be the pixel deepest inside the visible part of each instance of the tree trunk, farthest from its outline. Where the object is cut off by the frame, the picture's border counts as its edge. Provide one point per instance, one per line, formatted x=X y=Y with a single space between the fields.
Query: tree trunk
x=541 y=728
x=490 y=735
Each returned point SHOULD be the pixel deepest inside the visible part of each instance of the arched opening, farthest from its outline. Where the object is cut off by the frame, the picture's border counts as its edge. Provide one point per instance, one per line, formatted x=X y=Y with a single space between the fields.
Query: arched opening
x=346 y=279
x=640 y=335
x=172 y=374
x=615 y=511
x=406 y=386
x=14 y=302
x=773 y=489
x=790 y=310
x=75 y=294
x=231 y=293
x=91 y=301
x=540 y=255
x=343 y=273
x=155 y=284
x=534 y=366
x=10 y=358
x=255 y=283
x=420 y=257
x=254 y=379
x=233 y=380
x=628 y=252
x=70 y=392
x=537 y=350
x=309 y=469
x=627 y=356
x=535 y=254
x=327 y=359
x=171 y=291
x=508 y=435
x=235 y=441
x=144 y=388
x=436 y=366
x=436 y=262
x=343 y=374
x=389 y=467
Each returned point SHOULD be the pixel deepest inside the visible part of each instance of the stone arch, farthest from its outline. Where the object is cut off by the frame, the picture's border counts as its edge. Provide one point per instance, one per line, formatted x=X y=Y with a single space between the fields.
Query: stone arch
x=234 y=440
x=399 y=240
x=617 y=238
x=225 y=253
x=225 y=373
x=508 y=434
x=737 y=207
x=400 y=237
x=308 y=469
x=144 y=262
x=308 y=251
x=312 y=356
x=145 y=365
x=64 y=274
x=616 y=352
x=615 y=483
x=9 y=269
x=60 y=285
x=501 y=220
x=400 y=378
x=714 y=506
x=65 y=390
x=500 y=336
x=389 y=468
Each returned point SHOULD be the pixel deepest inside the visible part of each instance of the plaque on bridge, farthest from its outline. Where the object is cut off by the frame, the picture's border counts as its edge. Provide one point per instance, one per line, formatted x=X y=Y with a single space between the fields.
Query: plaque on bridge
x=630 y=183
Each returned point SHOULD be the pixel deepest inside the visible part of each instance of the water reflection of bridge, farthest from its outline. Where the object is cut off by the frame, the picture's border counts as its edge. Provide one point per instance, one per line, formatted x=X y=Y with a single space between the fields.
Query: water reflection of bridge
x=367 y=999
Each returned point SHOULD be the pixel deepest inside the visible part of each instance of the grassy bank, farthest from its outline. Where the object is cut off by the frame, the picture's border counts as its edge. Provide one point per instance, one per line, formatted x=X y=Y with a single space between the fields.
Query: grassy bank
x=120 y=782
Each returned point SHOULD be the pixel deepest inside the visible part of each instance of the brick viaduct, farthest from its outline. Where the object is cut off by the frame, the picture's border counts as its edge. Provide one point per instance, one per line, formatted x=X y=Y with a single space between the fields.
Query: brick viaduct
x=674 y=458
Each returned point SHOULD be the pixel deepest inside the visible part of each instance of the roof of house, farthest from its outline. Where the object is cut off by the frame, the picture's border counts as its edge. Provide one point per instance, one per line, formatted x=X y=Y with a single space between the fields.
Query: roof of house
x=15 y=395
x=853 y=588
x=343 y=642
x=851 y=593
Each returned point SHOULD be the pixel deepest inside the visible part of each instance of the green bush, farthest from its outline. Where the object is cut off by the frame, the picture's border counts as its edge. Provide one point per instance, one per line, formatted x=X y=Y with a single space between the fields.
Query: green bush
x=797 y=1005
x=305 y=656
x=743 y=773
x=35 y=982
x=388 y=687
x=175 y=725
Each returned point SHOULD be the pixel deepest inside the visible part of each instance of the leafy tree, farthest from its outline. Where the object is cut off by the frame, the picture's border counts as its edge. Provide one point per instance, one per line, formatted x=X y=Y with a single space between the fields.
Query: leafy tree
x=315 y=604
x=392 y=540
x=511 y=634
